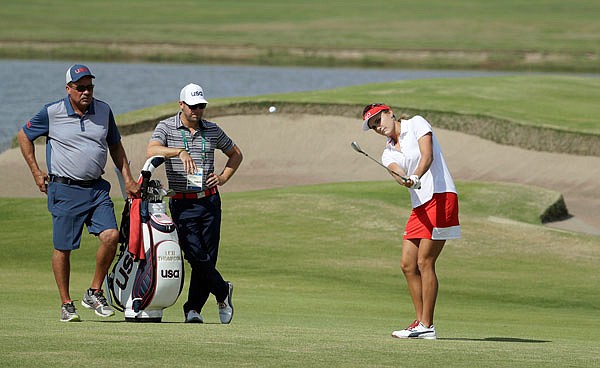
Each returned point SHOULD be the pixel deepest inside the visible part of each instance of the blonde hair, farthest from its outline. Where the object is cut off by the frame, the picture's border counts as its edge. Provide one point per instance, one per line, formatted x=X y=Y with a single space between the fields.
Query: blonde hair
x=404 y=116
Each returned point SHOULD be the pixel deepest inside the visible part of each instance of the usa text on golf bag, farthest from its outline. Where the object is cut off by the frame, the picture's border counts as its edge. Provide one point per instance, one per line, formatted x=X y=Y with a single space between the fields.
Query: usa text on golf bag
x=148 y=275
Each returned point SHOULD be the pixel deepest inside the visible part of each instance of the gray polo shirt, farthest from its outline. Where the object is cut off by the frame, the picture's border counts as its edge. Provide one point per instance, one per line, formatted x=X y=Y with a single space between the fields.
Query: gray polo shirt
x=202 y=145
x=76 y=146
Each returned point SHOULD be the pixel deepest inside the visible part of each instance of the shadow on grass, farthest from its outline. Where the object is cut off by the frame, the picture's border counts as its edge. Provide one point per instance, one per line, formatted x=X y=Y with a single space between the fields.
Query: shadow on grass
x=497 y=339
x=144 y=322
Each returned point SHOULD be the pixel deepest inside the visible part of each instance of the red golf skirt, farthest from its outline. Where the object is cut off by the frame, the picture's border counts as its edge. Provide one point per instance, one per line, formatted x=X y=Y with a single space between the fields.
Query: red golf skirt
x=437 y=219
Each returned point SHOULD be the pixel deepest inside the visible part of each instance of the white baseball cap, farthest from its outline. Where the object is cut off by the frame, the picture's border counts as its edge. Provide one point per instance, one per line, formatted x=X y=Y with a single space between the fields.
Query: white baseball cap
x=192 y=94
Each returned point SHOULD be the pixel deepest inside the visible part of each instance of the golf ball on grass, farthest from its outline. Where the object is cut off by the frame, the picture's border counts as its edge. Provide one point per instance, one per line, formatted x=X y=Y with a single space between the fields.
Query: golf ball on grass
x=272 y=109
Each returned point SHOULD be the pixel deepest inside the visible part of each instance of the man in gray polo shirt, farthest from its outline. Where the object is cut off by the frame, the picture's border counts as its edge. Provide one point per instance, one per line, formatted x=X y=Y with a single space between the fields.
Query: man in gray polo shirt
x=80 y=131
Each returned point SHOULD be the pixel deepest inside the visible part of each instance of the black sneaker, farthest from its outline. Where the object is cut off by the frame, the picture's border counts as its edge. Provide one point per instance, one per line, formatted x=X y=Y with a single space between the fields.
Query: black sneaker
x=94 y=299
x=68 y=313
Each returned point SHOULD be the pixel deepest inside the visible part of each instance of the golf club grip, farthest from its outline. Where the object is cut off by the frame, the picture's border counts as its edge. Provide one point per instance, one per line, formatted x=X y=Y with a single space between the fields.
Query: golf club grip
x=144 y=185
x=398 y=175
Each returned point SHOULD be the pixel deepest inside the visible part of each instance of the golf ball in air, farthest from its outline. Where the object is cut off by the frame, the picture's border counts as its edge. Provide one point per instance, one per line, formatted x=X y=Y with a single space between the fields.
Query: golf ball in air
x=272 y=109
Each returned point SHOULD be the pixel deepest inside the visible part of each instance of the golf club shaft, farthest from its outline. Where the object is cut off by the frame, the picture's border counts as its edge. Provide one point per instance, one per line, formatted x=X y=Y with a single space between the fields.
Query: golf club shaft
x=355 y=146
x=387 y=168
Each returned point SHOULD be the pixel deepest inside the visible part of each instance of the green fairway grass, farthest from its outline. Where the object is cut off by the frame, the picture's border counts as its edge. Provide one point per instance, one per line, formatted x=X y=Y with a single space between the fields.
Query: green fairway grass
x=468 y=34
x=318 y=283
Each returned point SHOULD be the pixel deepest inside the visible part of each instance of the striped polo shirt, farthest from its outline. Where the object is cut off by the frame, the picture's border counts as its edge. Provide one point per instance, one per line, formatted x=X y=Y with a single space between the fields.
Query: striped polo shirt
x=202 y=144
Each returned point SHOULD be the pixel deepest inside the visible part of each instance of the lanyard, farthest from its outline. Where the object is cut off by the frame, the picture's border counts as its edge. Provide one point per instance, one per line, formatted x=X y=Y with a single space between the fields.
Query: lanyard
x=187 y=146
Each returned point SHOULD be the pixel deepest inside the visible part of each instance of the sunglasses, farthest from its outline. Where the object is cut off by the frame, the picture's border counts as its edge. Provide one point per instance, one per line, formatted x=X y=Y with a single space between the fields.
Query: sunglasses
x=376 y=123
x=196 y=106
x=89 y=87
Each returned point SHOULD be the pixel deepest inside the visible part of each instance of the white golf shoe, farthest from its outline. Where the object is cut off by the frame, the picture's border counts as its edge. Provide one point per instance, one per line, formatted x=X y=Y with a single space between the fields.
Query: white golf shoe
x=416 y=331
x=226 y=306
x=193 y=317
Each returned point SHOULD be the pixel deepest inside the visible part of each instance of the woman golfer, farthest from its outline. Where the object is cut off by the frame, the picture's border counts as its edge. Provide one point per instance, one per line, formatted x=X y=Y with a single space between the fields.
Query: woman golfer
x=413 y=151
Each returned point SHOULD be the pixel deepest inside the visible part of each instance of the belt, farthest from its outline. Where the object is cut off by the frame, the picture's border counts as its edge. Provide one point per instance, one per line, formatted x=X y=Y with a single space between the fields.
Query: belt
x=69 y=181
x=196 y=195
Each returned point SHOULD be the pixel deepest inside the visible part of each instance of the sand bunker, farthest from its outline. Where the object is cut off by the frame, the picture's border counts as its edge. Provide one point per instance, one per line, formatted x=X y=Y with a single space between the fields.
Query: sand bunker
x=294 y=149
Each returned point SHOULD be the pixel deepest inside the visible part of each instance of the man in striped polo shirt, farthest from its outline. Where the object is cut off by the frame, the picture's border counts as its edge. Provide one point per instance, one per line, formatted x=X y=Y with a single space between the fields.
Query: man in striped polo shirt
x=189 y=143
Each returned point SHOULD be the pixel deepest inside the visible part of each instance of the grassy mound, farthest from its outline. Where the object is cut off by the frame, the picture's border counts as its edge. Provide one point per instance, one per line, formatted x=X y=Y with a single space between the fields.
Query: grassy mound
x=543 y=113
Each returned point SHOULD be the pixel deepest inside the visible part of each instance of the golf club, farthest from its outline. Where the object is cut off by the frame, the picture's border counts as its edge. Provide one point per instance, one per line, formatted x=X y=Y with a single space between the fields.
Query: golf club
x=357 y=148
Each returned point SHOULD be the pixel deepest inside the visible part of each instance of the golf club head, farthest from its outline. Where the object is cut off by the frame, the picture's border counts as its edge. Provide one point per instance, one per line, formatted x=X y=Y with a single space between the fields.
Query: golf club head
x=356 y=147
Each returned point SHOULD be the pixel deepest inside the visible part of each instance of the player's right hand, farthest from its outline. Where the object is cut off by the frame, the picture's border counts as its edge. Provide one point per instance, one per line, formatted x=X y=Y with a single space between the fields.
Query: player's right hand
x=41 y=180
x=189 y=166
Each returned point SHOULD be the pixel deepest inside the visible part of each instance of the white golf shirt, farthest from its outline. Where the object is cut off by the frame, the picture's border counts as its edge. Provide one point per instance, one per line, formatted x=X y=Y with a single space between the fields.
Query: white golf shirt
x=437 y=179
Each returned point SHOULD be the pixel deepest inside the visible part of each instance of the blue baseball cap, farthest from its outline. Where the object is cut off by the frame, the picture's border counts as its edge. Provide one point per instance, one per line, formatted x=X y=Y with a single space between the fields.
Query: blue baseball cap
x=78 y=71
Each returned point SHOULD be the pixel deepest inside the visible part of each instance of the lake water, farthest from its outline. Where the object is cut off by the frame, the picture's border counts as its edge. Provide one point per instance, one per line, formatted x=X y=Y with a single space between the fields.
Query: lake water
x=25 y=86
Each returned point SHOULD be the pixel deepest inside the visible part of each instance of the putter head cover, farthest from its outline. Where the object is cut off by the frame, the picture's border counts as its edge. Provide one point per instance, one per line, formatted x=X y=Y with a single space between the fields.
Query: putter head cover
x=416 y=183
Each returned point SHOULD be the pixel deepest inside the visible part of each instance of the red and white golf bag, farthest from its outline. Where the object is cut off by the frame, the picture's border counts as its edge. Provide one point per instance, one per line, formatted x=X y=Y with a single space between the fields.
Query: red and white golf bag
x=148 y=275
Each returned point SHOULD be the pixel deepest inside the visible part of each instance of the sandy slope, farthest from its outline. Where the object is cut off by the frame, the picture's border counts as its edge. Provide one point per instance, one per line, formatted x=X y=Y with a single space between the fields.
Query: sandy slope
x=282 y=150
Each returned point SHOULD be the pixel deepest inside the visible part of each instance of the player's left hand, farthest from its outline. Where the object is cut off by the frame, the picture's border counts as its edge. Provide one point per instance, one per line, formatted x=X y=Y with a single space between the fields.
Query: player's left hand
x=213 y=180
x=414 y=181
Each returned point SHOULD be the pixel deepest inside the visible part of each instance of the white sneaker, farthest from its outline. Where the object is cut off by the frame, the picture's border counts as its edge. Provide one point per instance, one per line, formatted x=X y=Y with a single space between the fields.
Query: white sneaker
x=403 y=334
x=416 y=331
x=193 y=317
x=226 y=306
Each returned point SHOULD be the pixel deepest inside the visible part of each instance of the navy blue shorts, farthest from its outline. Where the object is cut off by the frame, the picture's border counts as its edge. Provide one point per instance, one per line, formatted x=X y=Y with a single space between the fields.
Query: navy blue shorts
x=72 y=206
